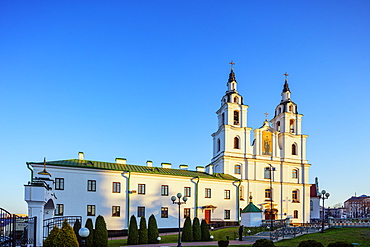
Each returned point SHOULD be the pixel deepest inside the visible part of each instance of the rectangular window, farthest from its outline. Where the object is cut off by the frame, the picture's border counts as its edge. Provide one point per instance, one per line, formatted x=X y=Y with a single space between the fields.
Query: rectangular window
x=164 y=212
x=164 y=191
x=59 y=210
x=208 y=193
x=91 y=185
x=186 y=212
x=90 y=210
x=59 y=183
x=116 y=187
x=141 y=189
x=267 y=194
x=116 y=211
x=140 y=211
x=187 y=191
x=227 y=194
x=227 y=214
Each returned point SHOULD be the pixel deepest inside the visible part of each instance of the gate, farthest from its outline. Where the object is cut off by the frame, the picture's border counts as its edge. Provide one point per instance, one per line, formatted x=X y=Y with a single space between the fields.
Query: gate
x=16 y=230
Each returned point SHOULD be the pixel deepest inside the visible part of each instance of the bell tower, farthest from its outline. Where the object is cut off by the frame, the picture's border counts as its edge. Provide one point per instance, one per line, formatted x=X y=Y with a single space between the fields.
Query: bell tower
x=231 y=142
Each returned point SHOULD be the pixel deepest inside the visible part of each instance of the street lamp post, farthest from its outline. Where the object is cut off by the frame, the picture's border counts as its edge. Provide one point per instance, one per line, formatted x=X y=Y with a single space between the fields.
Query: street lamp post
x=84 y=233
x=179 y=202
x=323 y=195
x=271 y=168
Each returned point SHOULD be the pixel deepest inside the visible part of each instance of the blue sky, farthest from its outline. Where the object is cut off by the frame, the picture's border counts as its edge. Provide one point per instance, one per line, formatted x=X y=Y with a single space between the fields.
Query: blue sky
x=142 y=80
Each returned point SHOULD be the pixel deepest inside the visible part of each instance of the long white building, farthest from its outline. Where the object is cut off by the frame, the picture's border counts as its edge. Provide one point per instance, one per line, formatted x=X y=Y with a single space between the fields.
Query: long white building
x=269 y=162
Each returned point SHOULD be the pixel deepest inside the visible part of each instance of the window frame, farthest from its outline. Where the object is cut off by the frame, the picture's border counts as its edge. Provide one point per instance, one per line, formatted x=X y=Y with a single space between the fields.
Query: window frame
x=295 y=196
x=295 y=173
x=268 y=194
x=208 y=193
x=116 y=211
x=141 y=189
x=187 y=191
x=59 y=210
x=236 y=117
x=227 y=194
x=295 y=214
x=164 y=212
x=140 y=211
x=164 y=190
x=236 y=142
x=237 y=169
x=116 y=187
x=186 y=212
x=227 y=214
x=91 y=185
x=59 y=184
x=91 y=210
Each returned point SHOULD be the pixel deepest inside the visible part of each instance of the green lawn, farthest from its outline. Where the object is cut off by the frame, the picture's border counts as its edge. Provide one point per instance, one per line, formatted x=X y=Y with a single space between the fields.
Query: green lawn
x=351 y=235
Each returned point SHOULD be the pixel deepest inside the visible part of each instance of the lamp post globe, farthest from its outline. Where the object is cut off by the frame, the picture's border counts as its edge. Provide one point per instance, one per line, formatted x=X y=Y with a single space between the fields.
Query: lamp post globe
x=84 y=233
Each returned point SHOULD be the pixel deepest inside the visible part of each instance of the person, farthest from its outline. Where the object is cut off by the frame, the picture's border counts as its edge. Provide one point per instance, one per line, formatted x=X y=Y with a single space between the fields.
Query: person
x=241 y=228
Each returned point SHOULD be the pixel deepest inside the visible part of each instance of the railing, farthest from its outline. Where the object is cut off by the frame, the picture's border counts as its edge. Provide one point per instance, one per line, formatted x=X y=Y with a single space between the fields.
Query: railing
x=350 y=222
x=284 y=232
x=275 y=223
x=58 y=221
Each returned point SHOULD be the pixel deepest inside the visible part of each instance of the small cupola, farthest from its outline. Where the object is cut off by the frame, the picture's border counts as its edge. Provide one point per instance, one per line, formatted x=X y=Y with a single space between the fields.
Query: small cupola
x=44 y=174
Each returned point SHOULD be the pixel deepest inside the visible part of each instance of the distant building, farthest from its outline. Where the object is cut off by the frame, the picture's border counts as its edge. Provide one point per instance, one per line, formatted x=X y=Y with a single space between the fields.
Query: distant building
x=357 y=206
x=271 y=164
x=315 y=208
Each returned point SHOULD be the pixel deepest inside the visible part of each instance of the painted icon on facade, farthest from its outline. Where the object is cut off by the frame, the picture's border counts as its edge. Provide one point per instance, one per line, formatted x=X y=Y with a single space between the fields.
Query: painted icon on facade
x=266 y=143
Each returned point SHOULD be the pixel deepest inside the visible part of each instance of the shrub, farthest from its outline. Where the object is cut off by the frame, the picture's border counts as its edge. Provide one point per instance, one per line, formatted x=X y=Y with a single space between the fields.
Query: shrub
x=50 y=239
x=100 y=233
x=133 y=234
x=76 y=228
x=204 y=231
x=143 y=232
x=263 y=243
x=152 y=230
x=89 y=241
x=197 y=235
x=187 y=231
x=310 y=243
x=66 y=237
x=340 y=244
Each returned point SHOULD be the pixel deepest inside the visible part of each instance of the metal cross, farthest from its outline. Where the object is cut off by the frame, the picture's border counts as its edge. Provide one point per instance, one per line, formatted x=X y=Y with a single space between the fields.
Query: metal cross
x=266 y=115
x=232 y=63
x=286 y=75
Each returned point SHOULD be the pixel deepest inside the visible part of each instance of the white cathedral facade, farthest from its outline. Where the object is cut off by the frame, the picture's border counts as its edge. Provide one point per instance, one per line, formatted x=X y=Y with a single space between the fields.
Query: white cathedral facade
x=271 y=165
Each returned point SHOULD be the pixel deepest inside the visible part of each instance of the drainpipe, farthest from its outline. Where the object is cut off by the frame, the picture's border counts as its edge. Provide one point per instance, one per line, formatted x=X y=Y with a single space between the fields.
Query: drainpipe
x=28 y=166
x=238 y=204
x=196 y=197
x=128 y=197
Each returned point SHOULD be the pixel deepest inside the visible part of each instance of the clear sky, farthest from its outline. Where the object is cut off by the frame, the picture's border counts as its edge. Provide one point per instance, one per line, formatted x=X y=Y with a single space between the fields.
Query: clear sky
x=142 y=80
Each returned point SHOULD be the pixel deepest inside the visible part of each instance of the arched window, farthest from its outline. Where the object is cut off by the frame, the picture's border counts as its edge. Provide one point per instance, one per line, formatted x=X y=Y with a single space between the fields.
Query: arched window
x=236 y=117
x=236 y=143
x=279 y=110
x=223 y=118
x=291 y=125
x=294 y=149
x=294 y=173
x=237 y=169
x=218 y=145
x=295 y=196
x=278 y=126
x=241 y=192
x=290 y=108
x=268 y=194
x=295 y=214
x=236 y=99
x=267 y=173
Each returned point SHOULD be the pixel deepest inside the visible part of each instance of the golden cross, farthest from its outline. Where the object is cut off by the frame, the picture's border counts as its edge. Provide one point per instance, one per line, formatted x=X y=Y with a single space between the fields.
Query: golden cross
x=266 y=115
x=286 y=75
x=232 y=63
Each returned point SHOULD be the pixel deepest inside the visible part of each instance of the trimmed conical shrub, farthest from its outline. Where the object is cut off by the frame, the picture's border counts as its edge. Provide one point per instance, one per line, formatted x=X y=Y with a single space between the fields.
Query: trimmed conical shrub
x=100 y=233
x=89 y=241
x=152 y=230
x=187 y=231
x=205 y=231
x=143 y=231
x=310 y=243
x=133 y=234
x=52 y=235
x=66 y=237
x=76 y=228
x=197 y=235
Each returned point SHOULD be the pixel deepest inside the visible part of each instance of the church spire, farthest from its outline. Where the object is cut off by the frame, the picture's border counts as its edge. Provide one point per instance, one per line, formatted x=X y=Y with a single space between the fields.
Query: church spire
x=231 y=83
x=286 y=91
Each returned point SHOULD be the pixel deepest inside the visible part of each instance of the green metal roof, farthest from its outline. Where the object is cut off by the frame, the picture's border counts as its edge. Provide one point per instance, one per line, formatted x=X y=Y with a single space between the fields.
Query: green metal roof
x=251 y=208
x=134 y=168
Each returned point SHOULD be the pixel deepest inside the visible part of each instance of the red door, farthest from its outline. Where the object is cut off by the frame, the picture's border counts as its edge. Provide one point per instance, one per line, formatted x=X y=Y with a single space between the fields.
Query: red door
x=207 y=215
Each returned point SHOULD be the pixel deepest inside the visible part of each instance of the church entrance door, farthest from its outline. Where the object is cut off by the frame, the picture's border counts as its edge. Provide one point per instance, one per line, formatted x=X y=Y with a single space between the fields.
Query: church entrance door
x=207 y=215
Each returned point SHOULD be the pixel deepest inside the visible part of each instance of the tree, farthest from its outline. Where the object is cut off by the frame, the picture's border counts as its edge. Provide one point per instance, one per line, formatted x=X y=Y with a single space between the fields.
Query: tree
x=76 y=228
x=89 y=242
x=143 y=231
x=133 y=234
x=263 y=243
x=66 y=237
x=197 y=235
x=50 y=239
x=100 y=233
x=152 y=230
x=204 y=231
x=187 y=231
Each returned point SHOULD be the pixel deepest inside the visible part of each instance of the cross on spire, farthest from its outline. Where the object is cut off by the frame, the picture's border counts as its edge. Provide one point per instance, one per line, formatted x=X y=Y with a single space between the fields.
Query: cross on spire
x=266 y=113
x=232 y=64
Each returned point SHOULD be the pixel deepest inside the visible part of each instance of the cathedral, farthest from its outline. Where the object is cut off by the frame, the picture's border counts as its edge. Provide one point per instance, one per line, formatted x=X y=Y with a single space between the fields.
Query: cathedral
x=268 y=163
